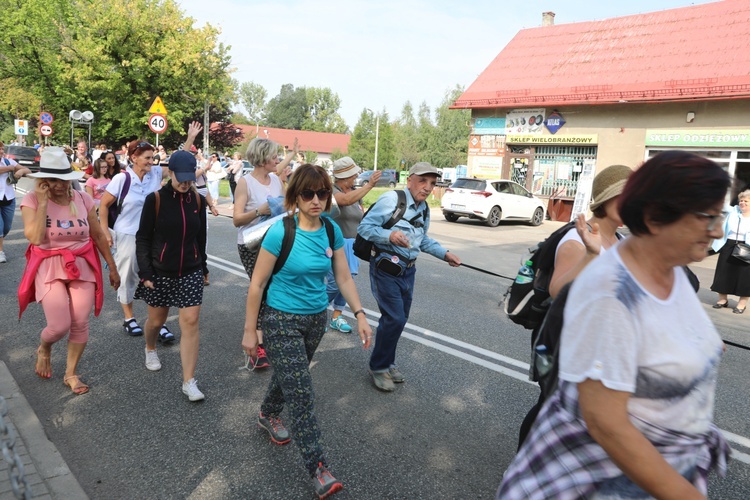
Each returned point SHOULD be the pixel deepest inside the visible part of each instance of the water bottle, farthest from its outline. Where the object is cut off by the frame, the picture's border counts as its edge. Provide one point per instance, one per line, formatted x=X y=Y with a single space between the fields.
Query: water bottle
x=542 y=360
x=525 y=274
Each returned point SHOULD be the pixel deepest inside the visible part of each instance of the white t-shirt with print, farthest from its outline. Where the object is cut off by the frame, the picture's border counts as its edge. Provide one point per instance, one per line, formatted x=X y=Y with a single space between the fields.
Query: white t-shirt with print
x=665 y=353
x=132 y=205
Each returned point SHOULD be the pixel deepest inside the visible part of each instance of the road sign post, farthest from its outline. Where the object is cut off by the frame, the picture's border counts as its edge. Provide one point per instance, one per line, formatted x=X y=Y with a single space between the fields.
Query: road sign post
x=157 y=123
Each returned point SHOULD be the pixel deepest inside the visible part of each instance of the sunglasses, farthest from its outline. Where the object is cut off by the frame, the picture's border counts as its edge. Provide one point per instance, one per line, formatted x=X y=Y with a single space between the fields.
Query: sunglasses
x=143 y=144
x=309 y=194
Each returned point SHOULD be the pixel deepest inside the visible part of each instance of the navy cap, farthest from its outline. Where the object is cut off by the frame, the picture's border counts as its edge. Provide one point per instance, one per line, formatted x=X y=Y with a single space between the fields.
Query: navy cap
x=183 y=165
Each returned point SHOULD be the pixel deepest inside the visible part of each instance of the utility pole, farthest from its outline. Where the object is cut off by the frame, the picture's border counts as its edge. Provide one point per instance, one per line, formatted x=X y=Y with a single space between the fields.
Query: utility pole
x=206 y=123
x=377 y=133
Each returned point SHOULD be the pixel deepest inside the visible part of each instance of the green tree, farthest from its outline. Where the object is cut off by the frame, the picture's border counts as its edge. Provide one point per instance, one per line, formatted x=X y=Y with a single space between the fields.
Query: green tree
x=322 y=111
x=425 y=133
x=450 y=140
x=405 y=137
x=362 y=142
x=253 y=97
x=113 y=58
x=386 y=144
x=288 y=109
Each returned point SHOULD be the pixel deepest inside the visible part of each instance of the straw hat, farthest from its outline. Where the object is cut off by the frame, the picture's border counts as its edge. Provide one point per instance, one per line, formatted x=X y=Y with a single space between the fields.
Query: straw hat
x=54 y=164
x=609 y=183
x=343 y=168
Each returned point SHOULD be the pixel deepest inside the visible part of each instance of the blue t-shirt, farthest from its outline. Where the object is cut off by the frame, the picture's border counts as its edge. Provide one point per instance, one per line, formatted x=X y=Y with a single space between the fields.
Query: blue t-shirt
x=299 y=287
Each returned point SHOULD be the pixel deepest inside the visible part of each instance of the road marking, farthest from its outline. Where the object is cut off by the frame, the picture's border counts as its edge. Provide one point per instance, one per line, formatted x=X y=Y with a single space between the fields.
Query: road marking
x=373 y=316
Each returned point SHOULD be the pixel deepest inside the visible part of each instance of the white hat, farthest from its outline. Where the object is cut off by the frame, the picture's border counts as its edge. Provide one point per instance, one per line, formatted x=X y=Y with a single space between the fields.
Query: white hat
x=344 y=167
x=54 y=164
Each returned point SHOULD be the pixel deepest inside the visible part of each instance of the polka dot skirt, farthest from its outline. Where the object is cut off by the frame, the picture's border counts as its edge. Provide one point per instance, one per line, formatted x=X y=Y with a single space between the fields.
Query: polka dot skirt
x=185 y=291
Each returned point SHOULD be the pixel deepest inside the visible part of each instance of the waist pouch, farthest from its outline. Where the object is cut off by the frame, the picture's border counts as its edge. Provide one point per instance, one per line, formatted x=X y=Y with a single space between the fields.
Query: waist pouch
x=385 y=262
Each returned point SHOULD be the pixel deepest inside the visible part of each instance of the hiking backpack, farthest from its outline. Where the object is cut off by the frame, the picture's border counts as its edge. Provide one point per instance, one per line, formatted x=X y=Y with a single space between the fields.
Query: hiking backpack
x=527 y=304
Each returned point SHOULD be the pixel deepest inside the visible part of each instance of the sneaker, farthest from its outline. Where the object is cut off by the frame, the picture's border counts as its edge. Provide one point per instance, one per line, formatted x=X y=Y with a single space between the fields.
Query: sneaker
x=396 y=375
x=324 y=483
x=261 y=361
x=275 y=428
x=190 y=389
x=152 y=360
x=3 y=258
x=382 y=381
x=340 y=324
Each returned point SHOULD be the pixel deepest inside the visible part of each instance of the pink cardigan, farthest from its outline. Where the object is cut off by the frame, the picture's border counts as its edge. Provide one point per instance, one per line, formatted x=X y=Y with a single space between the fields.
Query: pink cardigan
x=35 y=256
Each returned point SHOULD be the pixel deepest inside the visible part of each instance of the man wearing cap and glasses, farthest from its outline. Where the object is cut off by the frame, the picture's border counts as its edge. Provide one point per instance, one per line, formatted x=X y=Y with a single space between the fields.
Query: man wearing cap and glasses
x=392 y=265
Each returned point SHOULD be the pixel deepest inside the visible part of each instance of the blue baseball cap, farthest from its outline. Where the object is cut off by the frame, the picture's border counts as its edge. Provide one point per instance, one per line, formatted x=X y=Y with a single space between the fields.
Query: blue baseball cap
x=183 y=165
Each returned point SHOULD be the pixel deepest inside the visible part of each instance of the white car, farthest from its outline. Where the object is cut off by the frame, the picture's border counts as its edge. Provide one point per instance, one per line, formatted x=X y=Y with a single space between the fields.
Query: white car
x=491 y=200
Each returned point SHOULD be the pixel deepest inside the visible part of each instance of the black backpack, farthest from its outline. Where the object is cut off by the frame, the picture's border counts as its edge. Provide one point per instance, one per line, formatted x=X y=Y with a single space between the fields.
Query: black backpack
x=363 y=248
x=527 y=304
x=116 y=207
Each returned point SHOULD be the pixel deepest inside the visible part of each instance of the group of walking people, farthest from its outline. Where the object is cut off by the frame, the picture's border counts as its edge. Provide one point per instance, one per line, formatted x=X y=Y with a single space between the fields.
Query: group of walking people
x=633 y=414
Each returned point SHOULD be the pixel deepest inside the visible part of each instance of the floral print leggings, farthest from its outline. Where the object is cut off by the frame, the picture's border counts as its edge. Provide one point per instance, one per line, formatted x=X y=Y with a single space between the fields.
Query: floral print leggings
x=290 y=341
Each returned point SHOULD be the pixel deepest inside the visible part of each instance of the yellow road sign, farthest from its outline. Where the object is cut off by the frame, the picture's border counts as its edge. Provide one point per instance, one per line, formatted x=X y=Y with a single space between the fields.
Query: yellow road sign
x=158 y=107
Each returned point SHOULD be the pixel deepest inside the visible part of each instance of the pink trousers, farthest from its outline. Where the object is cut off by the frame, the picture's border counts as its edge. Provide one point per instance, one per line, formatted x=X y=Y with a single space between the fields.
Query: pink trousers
x=67 y=307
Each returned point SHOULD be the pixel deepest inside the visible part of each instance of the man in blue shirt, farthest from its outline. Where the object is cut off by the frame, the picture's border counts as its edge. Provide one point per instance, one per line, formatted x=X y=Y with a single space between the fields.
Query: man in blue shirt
x=392 y=267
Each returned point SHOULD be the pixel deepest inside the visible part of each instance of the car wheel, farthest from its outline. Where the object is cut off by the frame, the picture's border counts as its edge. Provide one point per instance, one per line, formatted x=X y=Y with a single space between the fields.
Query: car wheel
x=493 y=219
x=391 y=185
x=538 y=217
x=450 y=217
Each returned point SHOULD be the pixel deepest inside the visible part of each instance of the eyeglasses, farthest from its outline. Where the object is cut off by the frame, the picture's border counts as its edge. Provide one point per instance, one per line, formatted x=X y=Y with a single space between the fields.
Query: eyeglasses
x=309 y=194
x=713 y=219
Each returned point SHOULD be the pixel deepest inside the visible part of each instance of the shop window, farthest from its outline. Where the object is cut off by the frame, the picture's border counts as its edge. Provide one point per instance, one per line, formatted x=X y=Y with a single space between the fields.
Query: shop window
x=558 y=168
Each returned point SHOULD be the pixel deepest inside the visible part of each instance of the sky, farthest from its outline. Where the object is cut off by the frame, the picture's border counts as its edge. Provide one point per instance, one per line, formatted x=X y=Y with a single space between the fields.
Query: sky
x=379 y=54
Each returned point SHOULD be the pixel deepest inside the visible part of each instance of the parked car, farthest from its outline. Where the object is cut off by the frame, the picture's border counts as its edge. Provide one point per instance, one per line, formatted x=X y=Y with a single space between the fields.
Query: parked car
x=246 y=167
x=24 y=155
x=389 y=178
x=491 y=201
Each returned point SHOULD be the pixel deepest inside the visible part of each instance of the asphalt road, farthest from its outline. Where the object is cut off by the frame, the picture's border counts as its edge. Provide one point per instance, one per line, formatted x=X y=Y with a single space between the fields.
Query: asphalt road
x=448 y=432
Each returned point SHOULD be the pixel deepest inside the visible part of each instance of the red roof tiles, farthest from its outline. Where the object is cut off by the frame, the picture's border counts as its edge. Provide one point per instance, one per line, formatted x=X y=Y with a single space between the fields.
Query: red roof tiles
x=697 y=52
x=320 y=142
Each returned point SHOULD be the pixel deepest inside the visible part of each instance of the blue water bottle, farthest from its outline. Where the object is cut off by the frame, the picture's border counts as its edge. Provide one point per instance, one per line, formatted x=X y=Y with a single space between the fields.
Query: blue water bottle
x=525 y=274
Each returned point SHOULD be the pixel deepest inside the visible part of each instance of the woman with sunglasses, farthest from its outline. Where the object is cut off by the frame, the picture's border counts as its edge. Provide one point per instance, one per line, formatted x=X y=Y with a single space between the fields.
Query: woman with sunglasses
x=294 y=316
x=144 y=179
x=251 y=204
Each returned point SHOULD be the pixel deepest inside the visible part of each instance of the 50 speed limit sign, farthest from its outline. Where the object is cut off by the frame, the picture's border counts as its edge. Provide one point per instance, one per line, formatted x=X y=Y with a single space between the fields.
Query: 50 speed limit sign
x=157 y=123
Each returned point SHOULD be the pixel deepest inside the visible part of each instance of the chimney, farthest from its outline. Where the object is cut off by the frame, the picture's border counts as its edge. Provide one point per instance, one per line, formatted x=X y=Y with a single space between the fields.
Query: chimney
x=548 y=18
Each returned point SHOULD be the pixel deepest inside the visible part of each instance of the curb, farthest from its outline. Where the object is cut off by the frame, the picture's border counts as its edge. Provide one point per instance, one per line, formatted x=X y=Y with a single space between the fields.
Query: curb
x=46 y=459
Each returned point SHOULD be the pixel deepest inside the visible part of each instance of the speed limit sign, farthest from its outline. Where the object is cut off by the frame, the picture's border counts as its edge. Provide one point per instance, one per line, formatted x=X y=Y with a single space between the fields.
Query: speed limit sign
x=45 y=130
x=157 y=123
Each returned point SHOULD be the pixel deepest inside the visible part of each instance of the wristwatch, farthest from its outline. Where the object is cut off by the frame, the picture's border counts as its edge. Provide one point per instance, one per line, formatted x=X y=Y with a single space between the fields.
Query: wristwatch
x=257 y=212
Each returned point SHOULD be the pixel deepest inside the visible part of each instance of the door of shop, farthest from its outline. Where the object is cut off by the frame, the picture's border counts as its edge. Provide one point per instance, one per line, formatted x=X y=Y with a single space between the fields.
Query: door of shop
x=518 y=165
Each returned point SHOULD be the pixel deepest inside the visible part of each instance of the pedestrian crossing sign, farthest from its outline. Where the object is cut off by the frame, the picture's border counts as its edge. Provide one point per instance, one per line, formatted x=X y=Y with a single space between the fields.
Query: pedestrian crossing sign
x=158 y=107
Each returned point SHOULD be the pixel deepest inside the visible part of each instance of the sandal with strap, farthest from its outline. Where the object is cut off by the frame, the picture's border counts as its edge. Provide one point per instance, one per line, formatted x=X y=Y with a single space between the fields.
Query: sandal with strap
x=44 y=359
x=131 y=328
x=78 y=387
x=165 y=336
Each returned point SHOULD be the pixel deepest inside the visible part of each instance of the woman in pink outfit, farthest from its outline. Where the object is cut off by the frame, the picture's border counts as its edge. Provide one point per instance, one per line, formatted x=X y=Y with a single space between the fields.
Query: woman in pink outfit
x=63 y=270
x=97 y=183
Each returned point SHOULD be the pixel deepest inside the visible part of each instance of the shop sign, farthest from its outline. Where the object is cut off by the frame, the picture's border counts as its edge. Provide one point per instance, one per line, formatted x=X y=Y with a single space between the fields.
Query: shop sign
x=701 y=138
x=486 y=145
x=524 y=121
x=489 y=126
x=548 y=139
x=554 y=122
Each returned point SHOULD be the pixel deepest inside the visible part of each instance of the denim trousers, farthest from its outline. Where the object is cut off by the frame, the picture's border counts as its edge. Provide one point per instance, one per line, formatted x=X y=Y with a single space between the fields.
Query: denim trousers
x=339 y=303
x=394 y=295
x=290 y=341
x=7 y=217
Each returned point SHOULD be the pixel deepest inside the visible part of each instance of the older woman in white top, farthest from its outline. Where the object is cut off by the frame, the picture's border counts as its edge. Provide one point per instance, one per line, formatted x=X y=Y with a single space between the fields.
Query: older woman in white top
x=732 y=276
x=251 y=203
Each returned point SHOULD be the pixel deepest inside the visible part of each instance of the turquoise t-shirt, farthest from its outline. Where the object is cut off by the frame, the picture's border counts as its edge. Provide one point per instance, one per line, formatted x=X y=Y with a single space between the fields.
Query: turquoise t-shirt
x=299 y=287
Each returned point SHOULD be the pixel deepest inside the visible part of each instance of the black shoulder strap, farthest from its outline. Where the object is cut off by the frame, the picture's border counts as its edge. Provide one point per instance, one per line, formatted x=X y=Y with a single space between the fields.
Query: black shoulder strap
x=123 y=191
x=399 y=211
x=329 y=231
x=290 y=232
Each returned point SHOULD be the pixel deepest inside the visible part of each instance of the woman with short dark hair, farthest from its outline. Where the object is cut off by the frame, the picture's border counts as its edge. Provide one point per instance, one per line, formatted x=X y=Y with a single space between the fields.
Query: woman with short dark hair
x=293 y=316
x=633 y=414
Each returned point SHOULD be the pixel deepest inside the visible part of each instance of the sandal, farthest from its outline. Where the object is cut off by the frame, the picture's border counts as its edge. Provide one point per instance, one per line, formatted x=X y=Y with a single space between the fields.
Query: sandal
x=131 y=328
x=46 y=369
x=738 y=310
x=79 y=387
x=165 y=336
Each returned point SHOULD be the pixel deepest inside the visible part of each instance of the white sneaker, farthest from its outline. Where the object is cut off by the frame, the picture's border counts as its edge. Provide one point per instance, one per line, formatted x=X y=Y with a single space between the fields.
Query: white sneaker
x=190 y=389
x=152 y=360
x=2 y=257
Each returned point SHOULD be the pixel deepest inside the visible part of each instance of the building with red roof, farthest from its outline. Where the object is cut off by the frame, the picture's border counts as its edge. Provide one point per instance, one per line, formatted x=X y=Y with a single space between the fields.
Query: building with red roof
x=561 y=102
x=323 y=143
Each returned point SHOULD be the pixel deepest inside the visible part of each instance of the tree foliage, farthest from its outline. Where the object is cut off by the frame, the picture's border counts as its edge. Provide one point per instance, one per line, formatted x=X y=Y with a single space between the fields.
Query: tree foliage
x=112 y=58
x=288 y=109
x=253 y=97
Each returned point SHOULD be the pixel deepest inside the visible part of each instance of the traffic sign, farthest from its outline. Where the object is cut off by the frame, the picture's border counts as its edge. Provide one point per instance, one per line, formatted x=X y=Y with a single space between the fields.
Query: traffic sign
x=22 y=127
x=158 y=107
x=46 y=118
x=157 y=123
x=45 y=130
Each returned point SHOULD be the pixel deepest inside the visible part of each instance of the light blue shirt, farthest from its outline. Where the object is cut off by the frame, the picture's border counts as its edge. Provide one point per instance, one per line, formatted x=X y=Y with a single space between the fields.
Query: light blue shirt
x=371 y=227
x=730 y=224
x=299 y=287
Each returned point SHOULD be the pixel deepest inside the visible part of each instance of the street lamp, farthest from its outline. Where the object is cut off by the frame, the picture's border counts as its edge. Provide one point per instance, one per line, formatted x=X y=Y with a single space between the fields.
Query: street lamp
x=377 y=132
